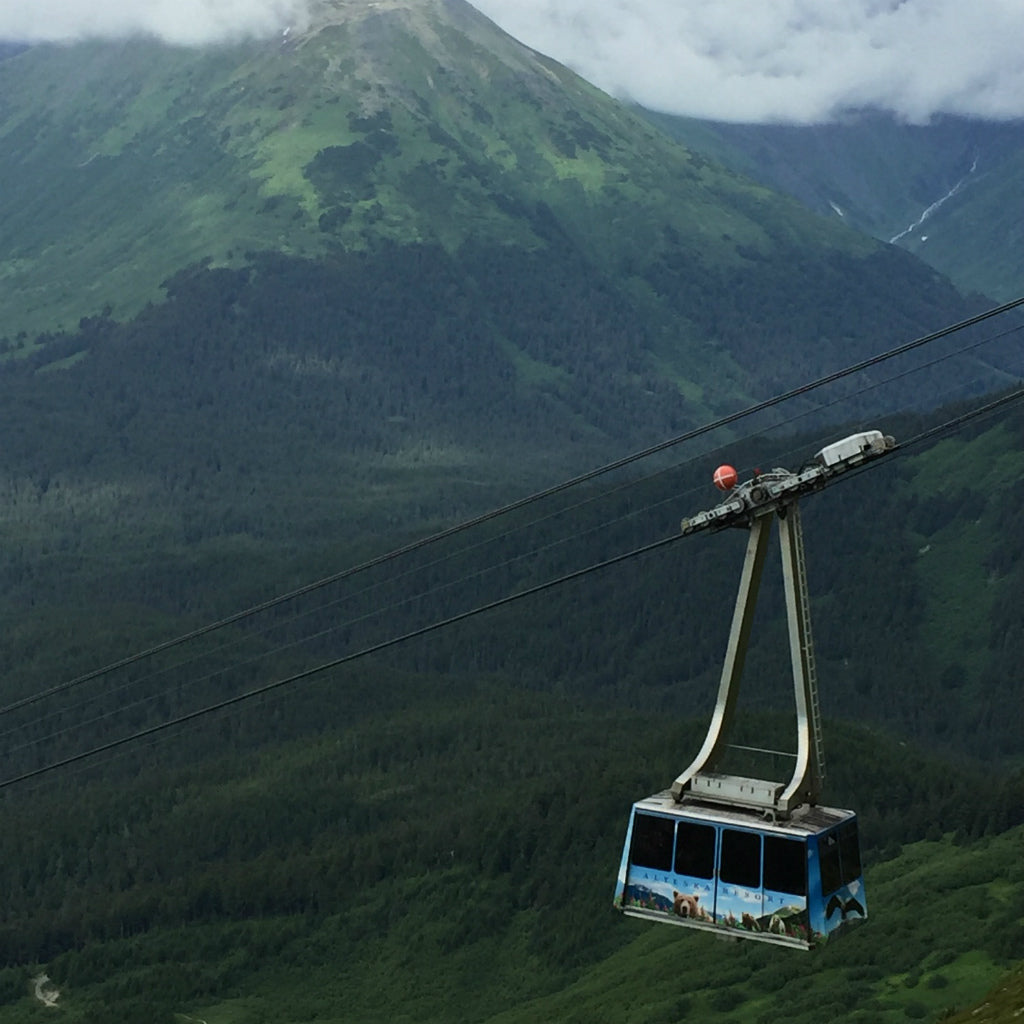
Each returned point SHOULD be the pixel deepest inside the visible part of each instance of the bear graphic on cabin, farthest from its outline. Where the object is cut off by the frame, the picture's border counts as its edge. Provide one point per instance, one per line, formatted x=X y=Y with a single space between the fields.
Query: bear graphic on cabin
x=687 y=905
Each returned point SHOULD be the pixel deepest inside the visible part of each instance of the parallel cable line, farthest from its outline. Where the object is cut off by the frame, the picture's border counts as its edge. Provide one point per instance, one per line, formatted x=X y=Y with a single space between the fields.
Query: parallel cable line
x=159 y=727
x=337 y=662
x=519 y=503
x=475 y=575
x=958 y=421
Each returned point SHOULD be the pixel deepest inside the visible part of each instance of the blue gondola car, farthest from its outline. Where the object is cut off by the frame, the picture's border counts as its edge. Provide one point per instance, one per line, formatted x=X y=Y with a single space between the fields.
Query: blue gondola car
x=727 y=870
x=749 y=857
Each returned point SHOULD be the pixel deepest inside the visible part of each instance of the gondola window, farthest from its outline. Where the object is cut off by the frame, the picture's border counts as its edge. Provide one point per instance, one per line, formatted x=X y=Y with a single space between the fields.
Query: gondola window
x=849 y=852
x=831 y=872
x=785 y=866
x=652 y=842
x=741 y=858
x=695 y=850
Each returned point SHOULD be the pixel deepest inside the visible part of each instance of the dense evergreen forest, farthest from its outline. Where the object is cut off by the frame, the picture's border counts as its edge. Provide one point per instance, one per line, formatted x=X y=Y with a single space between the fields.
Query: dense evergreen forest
x=296 y=827
x=292 y=416
x=375 y=354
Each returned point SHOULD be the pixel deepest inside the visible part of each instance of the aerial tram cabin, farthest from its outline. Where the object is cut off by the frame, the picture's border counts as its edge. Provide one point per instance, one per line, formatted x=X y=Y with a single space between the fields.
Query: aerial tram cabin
x=731 y=871
x=743 y=857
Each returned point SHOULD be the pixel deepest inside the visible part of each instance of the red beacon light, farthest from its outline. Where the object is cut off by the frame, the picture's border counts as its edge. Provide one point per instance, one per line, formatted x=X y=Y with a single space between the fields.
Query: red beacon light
x=725 y=478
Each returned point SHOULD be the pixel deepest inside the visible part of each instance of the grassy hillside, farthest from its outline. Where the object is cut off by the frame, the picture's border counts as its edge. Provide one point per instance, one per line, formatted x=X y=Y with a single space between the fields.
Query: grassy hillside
x=975 y=238
x=135 y=160
x=881 y=176
x=1001 y=1005
x=413 y=124
x=392 y=839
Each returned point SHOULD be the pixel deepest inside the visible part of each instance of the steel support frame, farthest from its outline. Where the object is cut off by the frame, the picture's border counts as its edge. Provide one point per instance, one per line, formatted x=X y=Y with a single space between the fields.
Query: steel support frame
x=701 y=779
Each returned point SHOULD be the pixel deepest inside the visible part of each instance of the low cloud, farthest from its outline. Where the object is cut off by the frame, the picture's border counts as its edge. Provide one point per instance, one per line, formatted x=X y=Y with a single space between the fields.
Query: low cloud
x=182 y=22
x=734 y=60
x=786 y=60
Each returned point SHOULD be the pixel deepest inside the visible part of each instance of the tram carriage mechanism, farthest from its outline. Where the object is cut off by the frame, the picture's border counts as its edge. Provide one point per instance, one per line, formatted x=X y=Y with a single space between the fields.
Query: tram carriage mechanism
x=744 y=857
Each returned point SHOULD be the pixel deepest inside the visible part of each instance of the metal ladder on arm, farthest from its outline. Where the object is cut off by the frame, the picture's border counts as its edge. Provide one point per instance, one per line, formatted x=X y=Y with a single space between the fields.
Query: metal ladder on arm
x=811 y=669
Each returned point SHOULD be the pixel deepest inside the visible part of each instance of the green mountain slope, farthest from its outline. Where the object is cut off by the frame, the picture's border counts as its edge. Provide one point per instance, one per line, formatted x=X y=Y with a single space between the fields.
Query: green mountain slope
x=948 y=191
x=1001 y=1005
x=399 y=233
x=394 y=268
x=383 y=842
x=412 y=123
x=976 y=237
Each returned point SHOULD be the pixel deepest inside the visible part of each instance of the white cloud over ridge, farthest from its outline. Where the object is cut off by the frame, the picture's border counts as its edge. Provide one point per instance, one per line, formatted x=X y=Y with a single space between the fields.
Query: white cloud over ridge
x=180 y=22
x=786 y=60
x=735 y=60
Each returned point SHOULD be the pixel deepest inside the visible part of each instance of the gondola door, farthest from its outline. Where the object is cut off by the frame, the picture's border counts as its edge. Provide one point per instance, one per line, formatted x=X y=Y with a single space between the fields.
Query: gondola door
x=785 y=888
x=740 y=898
x=694 y=870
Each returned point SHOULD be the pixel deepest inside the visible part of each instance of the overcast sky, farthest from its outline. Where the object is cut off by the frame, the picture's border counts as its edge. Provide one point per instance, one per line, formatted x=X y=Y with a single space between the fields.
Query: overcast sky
x=740 y=60
x=802 y=60
x=188 y=22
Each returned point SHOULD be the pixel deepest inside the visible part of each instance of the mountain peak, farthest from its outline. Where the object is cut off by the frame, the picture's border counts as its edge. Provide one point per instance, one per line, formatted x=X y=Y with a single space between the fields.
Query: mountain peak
x=441 y=27
x=375 y=124
x=321 y=14
x=326 y=11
